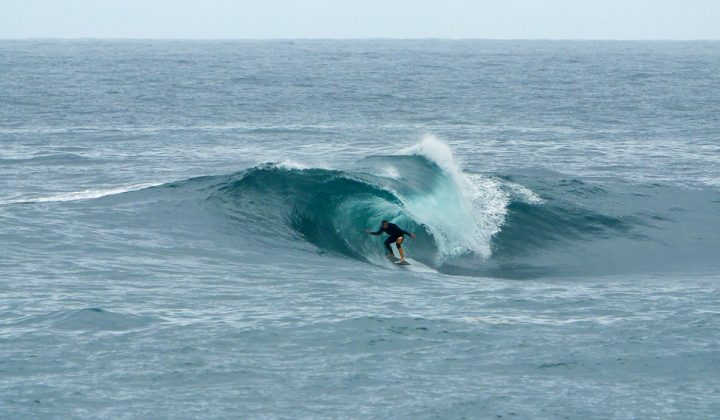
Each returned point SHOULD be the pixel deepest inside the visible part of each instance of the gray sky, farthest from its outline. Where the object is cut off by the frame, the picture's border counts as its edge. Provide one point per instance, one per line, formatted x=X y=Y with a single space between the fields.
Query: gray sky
x=558 y=19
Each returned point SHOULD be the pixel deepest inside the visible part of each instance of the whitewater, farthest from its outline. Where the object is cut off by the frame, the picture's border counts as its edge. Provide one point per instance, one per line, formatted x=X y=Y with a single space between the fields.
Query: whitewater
x=183 y=229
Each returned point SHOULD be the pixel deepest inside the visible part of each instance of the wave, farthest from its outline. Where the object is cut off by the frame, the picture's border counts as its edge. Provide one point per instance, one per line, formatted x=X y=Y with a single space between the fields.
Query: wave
x=542 y=224
x=527 y=224
x=47 y=159
x=79 y=195
x=423 y=190
x=271 y=128
x=86 y=319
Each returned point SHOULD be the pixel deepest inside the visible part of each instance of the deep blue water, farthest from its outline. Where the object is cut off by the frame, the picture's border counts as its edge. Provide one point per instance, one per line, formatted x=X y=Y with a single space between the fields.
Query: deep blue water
x=183 y=229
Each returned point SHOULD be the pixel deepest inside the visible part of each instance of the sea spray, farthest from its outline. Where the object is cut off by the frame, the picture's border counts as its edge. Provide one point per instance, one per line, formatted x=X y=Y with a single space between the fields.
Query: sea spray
x=464 y=211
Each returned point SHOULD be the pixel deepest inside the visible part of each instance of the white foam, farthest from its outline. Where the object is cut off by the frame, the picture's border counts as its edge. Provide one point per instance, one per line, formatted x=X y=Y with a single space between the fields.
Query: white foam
x=467 y=220
x=522 y=193
x=80 y=195
x=390 y=172
x=291 y=164
x=436 y=150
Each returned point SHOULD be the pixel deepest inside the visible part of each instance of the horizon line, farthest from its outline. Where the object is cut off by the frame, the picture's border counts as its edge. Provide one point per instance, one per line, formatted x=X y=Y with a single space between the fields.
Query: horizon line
x=91 y=38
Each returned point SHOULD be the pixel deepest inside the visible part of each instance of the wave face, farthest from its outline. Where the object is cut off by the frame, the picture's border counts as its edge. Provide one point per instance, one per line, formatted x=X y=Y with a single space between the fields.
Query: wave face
x=520 y=226
x=466 y=223
x=422 y=190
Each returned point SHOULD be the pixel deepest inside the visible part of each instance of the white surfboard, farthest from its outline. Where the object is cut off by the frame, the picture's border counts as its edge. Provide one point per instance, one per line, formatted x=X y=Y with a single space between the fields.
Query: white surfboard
x=412 y=265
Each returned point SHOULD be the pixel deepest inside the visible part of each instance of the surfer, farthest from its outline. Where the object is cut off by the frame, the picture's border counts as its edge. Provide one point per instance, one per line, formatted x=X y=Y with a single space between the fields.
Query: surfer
x=395 y=234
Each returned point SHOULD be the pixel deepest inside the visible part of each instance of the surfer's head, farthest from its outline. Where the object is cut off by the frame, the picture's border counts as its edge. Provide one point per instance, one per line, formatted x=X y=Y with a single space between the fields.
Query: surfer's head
x=384 y=224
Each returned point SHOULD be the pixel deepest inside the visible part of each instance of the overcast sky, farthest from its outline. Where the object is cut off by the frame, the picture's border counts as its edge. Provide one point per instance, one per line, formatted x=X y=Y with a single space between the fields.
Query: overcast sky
x=557 y=19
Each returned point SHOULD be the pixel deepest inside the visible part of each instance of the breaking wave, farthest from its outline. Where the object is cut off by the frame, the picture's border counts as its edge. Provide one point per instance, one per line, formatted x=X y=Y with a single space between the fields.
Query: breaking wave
x=527 y=224
x=423 y=189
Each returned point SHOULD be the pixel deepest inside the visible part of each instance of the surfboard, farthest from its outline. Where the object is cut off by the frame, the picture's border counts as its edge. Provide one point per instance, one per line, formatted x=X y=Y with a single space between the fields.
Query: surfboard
x=395 y=257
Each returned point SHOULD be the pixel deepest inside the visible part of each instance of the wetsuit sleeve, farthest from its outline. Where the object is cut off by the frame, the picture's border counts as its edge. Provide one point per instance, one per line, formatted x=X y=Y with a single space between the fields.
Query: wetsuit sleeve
x=379 y=231
x=405 y=232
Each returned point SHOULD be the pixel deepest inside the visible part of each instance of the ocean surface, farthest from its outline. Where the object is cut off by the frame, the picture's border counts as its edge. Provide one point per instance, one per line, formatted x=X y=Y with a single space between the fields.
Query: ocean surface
x=182 y=229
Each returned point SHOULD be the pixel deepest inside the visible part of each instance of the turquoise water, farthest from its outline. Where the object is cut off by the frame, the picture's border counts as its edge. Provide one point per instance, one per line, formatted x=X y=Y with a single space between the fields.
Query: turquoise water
x=182 y=229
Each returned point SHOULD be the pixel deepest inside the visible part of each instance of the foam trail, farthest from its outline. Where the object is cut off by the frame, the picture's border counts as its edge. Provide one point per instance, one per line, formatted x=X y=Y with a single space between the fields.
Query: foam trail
x=80 y=195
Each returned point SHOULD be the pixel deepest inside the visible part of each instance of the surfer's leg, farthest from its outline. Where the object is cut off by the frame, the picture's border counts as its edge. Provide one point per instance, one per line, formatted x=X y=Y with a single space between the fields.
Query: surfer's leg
x=398 y=243
x=387 y=243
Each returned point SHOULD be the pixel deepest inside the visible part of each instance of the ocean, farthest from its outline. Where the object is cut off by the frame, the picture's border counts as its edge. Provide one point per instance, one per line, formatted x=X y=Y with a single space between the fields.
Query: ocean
x=182 y=229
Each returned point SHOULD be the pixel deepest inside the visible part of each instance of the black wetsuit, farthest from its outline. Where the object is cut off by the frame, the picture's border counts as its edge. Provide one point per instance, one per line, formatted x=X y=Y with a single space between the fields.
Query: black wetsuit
x=394 y=233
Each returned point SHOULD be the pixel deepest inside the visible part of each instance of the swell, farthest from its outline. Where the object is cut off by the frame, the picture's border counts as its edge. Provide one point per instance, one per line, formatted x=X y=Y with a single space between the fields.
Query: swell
x=523 y=225
x=49 y=159
x=86 y=319
x=473 y=224
x=469 y=224
x=423 y=190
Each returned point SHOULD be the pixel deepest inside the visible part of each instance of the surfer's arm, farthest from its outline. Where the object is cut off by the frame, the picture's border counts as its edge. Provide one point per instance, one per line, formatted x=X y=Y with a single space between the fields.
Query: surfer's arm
x=373 y=233
x=405 y=232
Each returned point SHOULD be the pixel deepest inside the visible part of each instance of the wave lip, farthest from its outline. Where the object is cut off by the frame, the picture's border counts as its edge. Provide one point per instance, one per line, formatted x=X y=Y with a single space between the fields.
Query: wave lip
x=462 y=211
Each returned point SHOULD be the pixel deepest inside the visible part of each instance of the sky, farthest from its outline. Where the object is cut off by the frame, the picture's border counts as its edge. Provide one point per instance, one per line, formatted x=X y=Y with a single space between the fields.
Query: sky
x=262 y=19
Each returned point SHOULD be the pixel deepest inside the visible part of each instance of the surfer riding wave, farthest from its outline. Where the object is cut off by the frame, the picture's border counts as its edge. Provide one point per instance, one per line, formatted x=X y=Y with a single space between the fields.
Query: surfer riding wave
x=396 y=235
